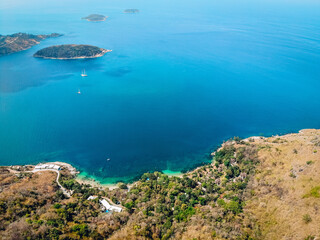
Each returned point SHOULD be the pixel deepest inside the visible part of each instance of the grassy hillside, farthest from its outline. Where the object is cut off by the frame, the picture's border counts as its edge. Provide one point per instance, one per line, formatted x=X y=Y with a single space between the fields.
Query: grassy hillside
x=286 y=187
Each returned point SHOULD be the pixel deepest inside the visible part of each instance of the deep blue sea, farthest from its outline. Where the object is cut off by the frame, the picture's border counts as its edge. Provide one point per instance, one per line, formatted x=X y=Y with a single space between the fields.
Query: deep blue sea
x=182 y=77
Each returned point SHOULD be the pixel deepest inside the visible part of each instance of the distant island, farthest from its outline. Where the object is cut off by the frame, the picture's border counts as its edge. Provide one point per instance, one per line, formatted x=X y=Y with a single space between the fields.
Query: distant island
x=71 y=51
x=95 y=18
x=21 y=41
x=131 y=10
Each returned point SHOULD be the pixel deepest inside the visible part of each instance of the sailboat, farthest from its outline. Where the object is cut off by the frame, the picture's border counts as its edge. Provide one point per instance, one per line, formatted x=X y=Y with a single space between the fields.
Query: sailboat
x=79 y=91
x=83 y=74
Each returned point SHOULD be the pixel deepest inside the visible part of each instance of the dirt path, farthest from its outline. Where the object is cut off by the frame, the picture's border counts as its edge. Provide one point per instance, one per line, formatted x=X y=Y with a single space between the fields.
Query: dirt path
x=65 y=191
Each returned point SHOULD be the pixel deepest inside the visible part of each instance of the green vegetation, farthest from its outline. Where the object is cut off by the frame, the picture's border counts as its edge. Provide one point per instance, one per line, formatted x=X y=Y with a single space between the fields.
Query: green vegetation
x=213 y=193
x=20 y=41
x=156 y=207
x=122 y=186
x=314 y=192
x=70 y=51
x=307 y=218
x=310 y=237
x=292 y=175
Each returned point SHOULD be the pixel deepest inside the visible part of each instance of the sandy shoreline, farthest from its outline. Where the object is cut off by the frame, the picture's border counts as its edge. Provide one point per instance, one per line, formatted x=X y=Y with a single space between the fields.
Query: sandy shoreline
x=95 y=183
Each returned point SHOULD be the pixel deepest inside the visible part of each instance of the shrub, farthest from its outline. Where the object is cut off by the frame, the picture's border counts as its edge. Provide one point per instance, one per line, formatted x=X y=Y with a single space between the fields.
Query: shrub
x=292 y=175
x=234 y=207
x=123 y=186
x=314 y=192
x=81 y=229
x=57 y=205
x=306 y=218
x=310 y=237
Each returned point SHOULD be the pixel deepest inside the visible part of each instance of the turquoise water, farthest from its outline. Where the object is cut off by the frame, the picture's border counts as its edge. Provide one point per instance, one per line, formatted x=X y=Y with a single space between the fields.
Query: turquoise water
x=182 y=77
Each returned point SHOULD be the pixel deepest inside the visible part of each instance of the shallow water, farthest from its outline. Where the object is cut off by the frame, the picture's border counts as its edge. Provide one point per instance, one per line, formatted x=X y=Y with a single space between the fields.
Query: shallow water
x=182 y=77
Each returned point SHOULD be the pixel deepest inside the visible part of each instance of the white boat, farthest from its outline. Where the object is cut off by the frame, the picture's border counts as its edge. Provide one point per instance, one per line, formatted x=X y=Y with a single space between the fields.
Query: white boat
x=83 y=74
x=79 y=91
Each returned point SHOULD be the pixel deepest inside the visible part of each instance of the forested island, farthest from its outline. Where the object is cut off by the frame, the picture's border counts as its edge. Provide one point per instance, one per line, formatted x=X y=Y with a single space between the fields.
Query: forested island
x=255 y=188
x=95 y=18
x=21 y=41
x=71 y=51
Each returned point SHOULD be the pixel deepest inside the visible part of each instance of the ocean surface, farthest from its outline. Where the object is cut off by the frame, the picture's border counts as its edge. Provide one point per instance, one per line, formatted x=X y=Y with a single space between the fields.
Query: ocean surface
x=182 y=77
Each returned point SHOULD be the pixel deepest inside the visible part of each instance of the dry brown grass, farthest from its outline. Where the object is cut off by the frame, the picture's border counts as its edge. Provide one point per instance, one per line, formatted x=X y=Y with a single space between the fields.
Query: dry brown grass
x=41 y=182
x=282 y=185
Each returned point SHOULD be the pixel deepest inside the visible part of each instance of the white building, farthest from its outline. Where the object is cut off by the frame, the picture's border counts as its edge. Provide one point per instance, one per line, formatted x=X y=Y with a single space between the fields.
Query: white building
x=56 y=167
x=46 y=166
x=92 y=197
x=110 y=207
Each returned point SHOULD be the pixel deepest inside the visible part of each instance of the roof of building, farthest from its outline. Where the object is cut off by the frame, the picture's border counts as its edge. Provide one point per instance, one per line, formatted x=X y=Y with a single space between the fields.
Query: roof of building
x=107 y=205
x=92 y=197
x=46 y=166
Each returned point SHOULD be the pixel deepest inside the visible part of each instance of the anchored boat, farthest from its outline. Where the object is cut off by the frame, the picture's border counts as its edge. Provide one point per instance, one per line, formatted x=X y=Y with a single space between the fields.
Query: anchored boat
x=83 y=74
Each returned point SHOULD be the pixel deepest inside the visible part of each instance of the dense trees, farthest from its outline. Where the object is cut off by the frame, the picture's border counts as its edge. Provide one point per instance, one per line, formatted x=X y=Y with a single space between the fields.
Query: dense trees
x=214 y=192
x=69 y=51
x=206 y=203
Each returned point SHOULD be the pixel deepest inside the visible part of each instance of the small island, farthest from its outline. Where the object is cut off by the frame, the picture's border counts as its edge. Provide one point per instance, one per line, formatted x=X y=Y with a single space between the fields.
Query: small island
x=71 y=51
x=131 y=10
x=95 y=18
x=21 y=41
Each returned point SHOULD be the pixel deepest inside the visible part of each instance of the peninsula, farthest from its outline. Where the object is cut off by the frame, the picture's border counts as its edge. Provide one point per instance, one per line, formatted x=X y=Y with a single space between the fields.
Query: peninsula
x=21 y=41
x=254 y=188
x=71 y=51
x=95 y=18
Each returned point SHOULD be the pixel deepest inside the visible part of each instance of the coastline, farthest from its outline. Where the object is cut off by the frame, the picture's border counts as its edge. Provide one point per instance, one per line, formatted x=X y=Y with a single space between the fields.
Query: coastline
x=112 y=183
x=85 y=178
x=173 y=173
x=104 y=51
x=31 y=42
x=267 y=170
